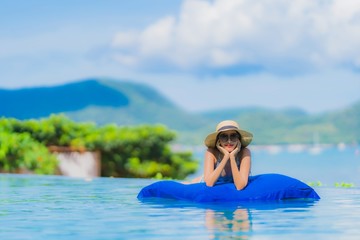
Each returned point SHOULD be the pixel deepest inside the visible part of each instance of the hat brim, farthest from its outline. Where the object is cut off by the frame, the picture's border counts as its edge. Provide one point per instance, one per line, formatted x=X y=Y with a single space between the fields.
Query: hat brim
x=246 y=138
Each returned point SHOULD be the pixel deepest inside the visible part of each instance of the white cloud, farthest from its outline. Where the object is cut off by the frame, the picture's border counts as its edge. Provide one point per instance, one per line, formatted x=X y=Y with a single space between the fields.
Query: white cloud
x=125 y=40
x=156 y=39
x=279 y=35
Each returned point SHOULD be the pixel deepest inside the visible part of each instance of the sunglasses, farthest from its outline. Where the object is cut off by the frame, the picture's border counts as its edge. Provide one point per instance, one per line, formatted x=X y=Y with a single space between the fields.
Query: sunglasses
x=225 y=137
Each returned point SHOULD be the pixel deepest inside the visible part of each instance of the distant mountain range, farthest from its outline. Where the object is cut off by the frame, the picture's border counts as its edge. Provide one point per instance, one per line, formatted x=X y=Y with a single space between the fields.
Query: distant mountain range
x=125 y=103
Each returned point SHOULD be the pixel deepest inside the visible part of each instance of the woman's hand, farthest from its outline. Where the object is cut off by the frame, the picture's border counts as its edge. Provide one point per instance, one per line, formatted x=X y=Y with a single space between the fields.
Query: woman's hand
x=223 y=150
x=235 y=151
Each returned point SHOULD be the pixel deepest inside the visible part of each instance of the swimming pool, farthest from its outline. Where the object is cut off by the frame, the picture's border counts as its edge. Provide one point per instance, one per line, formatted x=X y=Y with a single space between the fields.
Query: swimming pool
x=55 y=207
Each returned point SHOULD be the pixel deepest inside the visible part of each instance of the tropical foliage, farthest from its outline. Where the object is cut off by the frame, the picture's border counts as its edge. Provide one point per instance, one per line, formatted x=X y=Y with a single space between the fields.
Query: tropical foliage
x=20 y=153
x=126 y=151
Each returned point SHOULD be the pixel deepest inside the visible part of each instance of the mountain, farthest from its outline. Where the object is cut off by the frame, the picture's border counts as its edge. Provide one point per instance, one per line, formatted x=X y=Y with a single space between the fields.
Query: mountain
x=99 y=100
x=294 y=125
x=42 y=101
x=107 y=101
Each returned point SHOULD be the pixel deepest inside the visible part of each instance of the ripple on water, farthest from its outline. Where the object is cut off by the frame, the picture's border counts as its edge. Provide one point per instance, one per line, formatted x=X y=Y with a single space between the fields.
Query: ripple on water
x=53 y=207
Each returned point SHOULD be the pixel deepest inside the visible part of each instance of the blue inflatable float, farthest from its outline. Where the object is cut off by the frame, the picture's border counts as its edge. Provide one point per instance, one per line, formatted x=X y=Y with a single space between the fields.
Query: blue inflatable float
x=264 y=187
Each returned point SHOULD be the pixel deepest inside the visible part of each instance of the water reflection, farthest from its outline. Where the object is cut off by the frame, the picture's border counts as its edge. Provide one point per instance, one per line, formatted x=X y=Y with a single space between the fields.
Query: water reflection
x=237 y=220
x=228 y=224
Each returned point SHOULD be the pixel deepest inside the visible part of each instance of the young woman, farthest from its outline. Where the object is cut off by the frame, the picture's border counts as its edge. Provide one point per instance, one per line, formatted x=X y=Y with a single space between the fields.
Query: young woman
x=227 y=158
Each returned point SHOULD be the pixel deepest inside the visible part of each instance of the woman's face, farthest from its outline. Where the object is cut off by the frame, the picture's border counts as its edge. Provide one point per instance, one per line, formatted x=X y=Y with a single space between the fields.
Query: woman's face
x=229 y=140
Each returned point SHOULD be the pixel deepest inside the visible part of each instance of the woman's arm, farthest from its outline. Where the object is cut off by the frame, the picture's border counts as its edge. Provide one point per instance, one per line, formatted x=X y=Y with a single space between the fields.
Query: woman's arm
x=211 y=174
x=241 y=175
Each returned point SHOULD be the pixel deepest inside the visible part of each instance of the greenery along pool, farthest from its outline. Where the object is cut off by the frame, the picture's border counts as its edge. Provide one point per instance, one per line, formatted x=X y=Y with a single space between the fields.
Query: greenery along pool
x=53 y=207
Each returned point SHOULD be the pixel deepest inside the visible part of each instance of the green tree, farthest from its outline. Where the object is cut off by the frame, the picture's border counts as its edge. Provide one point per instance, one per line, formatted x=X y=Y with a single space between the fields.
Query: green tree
x=126 y=151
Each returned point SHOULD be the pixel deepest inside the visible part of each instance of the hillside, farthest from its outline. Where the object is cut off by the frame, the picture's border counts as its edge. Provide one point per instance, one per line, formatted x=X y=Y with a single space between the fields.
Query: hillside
x=295 y=125
x=107 y=101
x=145 y=106
x=42 y=101
x=99 y=100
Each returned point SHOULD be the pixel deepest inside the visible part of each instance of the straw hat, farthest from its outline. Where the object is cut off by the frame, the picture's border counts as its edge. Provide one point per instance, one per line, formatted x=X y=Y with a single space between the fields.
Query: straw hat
x=245 y=139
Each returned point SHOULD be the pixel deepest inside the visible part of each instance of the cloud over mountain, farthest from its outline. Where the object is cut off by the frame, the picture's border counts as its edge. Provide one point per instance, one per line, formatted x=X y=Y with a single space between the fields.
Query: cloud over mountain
x=275 y=36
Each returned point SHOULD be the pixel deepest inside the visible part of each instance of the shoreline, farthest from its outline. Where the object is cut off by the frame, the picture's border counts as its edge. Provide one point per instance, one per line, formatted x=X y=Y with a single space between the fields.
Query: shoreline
x=313 y=149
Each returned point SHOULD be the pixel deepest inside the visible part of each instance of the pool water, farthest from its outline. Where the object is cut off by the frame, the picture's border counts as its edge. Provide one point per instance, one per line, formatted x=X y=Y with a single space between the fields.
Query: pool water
x=55 y=207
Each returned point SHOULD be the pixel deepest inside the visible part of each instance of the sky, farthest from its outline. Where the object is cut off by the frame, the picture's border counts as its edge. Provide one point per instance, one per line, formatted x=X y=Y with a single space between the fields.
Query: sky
x=201 y=54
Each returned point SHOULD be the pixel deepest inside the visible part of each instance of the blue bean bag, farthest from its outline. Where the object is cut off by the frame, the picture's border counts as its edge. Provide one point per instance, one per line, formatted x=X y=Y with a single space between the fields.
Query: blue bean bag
x=263 y=187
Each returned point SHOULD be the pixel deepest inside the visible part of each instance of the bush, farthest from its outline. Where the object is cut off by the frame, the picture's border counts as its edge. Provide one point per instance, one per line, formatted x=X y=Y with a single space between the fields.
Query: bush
x=127 y=151
x=19 y=152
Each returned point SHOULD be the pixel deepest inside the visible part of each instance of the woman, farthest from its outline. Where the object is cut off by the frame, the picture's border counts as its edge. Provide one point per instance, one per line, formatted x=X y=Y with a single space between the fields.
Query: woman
x=227 y=158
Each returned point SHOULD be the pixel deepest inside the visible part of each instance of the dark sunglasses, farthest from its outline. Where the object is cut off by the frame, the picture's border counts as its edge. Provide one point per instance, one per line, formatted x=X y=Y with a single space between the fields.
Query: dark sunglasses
x=225 y=137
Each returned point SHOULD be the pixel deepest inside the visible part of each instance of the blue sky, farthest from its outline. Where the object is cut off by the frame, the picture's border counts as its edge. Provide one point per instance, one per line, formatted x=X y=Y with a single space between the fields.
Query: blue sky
x=202 y=55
